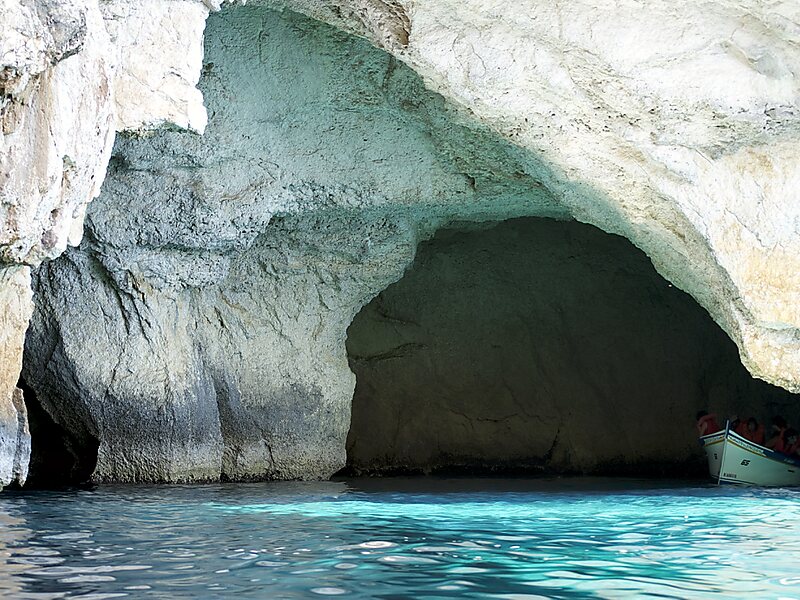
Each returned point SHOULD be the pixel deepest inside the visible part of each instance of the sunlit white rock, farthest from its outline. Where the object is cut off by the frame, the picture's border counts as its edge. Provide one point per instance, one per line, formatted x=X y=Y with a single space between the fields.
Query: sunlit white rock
x=675 y=124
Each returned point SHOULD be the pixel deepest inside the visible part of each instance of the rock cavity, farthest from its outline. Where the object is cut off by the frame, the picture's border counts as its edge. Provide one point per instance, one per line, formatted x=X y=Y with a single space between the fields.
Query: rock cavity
x=545 y=346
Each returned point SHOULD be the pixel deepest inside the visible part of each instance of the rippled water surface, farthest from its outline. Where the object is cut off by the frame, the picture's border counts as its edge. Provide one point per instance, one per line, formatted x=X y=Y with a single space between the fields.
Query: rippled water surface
x=399 y=539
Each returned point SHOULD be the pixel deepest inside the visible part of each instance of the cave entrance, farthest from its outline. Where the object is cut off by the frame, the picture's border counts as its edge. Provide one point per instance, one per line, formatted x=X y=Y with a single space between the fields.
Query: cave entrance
x=61 y=456
x=539 y=346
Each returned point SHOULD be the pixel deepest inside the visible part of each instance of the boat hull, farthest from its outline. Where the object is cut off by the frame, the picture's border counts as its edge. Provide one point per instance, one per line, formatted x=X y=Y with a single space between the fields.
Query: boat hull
x=713 y=444
x=734 y=459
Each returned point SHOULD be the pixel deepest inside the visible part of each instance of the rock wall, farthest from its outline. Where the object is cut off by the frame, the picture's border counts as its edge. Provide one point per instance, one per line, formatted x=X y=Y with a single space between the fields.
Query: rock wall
x=540 y=345
x=672 y=124
x=66 y=85
x=54 y=145
x=198 y=331
x=16 y=307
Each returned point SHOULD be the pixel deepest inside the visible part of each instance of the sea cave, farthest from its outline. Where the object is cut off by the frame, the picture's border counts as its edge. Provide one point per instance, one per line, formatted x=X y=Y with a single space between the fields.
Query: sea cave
x=399 y=298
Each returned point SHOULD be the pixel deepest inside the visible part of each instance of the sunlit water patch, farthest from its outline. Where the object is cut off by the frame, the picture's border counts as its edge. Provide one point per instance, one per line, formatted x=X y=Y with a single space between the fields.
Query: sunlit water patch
x=396 y=539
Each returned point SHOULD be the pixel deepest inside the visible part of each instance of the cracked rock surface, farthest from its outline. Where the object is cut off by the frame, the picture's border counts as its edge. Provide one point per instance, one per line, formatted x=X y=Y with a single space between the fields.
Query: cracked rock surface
x=71 y=73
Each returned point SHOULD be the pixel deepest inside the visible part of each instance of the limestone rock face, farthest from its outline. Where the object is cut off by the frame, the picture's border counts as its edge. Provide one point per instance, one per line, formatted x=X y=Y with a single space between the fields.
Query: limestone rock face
x=202 y=320
x=15 y=311
x=55 y=142
x=198 y=331
x=674 y=124
x=65 y=87
x=158 y=48
x=56 y=134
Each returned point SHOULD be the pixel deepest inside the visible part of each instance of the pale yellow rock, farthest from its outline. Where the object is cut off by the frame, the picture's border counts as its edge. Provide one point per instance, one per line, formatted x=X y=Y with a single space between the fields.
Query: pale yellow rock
x=54 y=148
x=159 y=53
x=16 y=305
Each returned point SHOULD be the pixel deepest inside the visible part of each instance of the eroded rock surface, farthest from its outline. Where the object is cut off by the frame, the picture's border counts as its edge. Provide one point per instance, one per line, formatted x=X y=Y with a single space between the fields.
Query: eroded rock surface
x=540 y=345
x=54 y=144
x=15 y=311
x=201 y=323
x=65 y=87
x=673 y=124
x=55 y=140
x=198 y=332
x=158 y=49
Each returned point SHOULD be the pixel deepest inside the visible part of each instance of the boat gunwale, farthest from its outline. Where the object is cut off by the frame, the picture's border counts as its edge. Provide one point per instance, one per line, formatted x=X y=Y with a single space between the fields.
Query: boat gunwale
x=768 y=453
x=706 y=440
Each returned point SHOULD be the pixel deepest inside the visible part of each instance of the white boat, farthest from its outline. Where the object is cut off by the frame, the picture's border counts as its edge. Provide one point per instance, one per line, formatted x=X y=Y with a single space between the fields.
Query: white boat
x=734 y=459
x=713 y=444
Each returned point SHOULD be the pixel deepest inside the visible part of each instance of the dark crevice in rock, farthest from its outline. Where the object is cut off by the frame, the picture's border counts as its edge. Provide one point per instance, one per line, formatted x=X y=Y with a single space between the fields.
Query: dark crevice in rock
x=540 y=347
x=59 y=457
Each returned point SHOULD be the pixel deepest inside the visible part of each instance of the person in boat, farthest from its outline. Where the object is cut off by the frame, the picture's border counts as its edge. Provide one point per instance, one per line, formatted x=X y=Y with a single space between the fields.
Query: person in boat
x=791 y=443
x=747 y=428
x=707 y=423
x=775 y=442
x=753 y=431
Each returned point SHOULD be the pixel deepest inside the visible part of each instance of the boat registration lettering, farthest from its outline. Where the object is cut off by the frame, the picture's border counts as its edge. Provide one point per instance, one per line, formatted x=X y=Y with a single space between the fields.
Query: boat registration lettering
x=745 y=462
x=730 y=475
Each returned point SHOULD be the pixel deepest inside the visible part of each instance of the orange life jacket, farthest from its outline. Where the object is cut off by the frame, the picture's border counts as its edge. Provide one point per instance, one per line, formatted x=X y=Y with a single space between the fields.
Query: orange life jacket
x=741 y=428
x=711 y=425
x=757 y=436
x=778 y=441
x=791 y=450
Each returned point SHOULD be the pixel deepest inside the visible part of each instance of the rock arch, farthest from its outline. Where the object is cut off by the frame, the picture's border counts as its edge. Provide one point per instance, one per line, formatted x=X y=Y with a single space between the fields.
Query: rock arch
x=201 y=321
x=537 y=345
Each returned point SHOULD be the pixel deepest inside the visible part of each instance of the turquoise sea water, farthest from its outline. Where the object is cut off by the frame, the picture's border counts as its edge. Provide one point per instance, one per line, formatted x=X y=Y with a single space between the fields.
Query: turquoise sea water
x=429 y=538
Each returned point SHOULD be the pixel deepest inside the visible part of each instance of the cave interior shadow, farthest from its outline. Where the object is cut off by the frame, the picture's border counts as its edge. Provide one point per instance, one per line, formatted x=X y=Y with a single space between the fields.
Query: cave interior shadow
x=60 y=457
x=536 y=346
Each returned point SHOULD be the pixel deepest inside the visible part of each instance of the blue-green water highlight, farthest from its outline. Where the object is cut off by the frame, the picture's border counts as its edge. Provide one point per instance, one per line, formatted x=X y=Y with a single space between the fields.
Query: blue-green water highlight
x=488 y=538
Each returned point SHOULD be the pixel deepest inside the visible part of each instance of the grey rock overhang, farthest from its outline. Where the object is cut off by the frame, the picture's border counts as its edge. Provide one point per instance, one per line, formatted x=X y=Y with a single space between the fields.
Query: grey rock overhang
x=674 y=124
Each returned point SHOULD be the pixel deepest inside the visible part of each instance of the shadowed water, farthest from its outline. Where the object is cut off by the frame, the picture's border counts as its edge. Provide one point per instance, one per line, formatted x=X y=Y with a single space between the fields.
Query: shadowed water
x=572 y=538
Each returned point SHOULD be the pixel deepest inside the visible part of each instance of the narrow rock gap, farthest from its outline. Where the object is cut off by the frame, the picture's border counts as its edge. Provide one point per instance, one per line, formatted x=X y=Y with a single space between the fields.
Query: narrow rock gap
x=540 y=346
x=59 y=457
